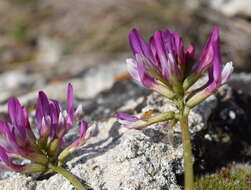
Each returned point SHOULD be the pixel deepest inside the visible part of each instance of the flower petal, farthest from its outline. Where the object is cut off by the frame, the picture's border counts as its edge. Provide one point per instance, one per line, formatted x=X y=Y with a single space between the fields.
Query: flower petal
x=179 y=47
x=142 y=65
x=5 y=158
x=126 y=119
x=160 y=50
x=42 y=108
x=82 y=130
x=190 y=51
x=209 y=51
x=70 y=106
x=138 y=44
x=227 y=70
x=124 y=116
x=17 y=116
x=132 y=69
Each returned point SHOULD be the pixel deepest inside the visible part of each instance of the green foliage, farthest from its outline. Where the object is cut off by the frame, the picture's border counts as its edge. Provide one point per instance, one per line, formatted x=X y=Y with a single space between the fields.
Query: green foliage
x=226 y=179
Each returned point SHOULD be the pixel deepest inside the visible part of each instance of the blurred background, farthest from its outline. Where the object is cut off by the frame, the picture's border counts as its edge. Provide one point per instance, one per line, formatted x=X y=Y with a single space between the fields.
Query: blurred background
x=49 y=41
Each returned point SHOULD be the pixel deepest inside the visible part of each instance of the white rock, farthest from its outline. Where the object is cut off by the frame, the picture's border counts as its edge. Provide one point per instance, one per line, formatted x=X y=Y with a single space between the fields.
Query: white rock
x=232 y=7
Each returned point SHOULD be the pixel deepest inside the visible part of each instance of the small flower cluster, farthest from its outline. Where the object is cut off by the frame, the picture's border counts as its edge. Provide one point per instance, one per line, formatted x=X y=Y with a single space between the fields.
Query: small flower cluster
x=43 y=147
x=165 y=66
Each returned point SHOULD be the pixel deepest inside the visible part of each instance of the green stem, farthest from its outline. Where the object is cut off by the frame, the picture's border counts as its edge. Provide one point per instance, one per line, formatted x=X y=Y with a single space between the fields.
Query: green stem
x=68 y=176
x=158 y=118
x=188 y=162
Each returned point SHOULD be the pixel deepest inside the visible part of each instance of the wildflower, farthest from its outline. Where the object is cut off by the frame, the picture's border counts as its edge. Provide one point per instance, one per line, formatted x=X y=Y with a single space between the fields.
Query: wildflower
x=45 y=148
x=167 y=67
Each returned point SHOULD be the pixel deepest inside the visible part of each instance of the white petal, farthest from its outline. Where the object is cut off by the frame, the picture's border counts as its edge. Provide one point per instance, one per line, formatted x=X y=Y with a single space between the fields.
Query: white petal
x=225 y=74
x=79 y=111
x=61 y=119
x=132 y=69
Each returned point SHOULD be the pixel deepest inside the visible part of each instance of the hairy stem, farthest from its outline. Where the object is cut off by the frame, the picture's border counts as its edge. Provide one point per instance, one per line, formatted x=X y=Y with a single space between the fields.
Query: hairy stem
x=158 y=118
x=188 y=162
x=68 y=176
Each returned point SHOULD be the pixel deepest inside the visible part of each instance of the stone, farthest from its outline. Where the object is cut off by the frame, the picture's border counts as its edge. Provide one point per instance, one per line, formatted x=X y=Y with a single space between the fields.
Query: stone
x=120 y=159
x=87 y=85
x=17 y=182
x=232 y=7
x=229 y=8
x=241 y=82
x=116 y=158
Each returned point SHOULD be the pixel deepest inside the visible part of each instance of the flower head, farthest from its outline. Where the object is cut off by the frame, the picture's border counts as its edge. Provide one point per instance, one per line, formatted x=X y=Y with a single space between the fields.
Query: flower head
x=167 y=67
x=53 y=122
x=164 y=65
x=18 y=140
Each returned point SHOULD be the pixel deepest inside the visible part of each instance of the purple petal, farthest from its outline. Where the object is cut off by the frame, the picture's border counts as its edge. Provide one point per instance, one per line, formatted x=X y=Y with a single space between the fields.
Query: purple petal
x=82 y=130
x=29 y=132
x=209 y=51
x=5 y=159
x=126 y=120
x=46 y=127
x=190 y=51
x=54 y=111
x=127 y=117
x=17 y=116
x=11 y=139
x=160 y=50
x=172 y=65
x=83 y=125
x=138 y=45
x=42 y=108
x=70 y=107
x=5 y=133
x=26 y=118
x=212 y=87
x=216 y=68
x=62 y=126
x=179 y=48
x=168 y=41
x=145 y=78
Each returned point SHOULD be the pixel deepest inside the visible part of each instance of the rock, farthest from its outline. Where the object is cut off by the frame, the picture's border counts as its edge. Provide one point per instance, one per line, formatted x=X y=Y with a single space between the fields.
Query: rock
x=113 y=160
x=232 y=7
x=49 y=50
x=87 y=85
x=121 y=159
x=229 y=8
x=14 y=82
x=17 y=182
x=226 y=139
x=241 y=82
x=12 y=79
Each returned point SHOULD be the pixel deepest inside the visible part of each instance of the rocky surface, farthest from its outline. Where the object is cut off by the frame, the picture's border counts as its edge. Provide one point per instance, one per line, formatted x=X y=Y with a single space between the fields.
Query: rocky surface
x=232 y=7
x=121 y=159
x=45 y=44
x=118 y=158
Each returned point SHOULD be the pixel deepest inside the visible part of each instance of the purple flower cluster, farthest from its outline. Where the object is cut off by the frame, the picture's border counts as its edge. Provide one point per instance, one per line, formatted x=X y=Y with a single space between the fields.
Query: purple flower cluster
x=167 y=67
x=19 y=140
x=164 y=63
